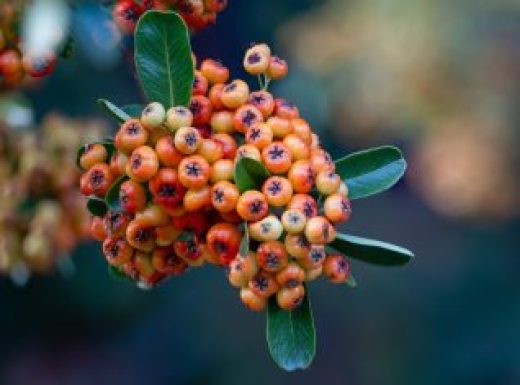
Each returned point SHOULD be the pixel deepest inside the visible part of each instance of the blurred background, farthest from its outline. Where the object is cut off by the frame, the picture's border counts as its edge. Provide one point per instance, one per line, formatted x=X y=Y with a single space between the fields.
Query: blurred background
x=440 y=79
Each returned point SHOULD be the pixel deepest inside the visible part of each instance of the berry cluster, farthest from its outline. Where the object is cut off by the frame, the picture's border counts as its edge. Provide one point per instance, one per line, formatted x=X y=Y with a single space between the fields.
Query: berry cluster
x=197 y=14
x=180 y=203
x=42 y=214
x=14 y=64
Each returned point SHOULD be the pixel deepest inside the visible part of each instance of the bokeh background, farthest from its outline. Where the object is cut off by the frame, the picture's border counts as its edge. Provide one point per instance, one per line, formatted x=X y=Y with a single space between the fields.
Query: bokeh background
x=441 y=79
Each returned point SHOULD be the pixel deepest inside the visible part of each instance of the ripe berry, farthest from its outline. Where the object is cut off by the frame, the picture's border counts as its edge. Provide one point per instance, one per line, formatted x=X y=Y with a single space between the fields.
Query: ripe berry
x=200 y=84
x=304 y=203
x=235 y=94
x=166 y=188
x=252 y=206
x=97 y=180
x=167 y=153
x=301 y=176
x=187 y=140
x=167 y=262
x=148 y=275
x=221 y=170
x=132 y=196
x=242 y=269
x=118 y=164
x=293 y=221
x=343 y=189
x=97 y=229
x=297 y=245
x=262 y=100
x=268 y=229
x=281 y=127
x=117 y=250
x=321 y=161
x=251 y=300
x=263 y=284
x=142 y=164
x=94 y=153
x=222 y=122
x=285 y=109
x=337 y=208
x=178 y=117
x=336 y=268
x=153 y=115
x=165 y=235
x=116 y=222
x=224 y=196
x=289 y=298
x=215 y=94
x=140 y=235
x=229 y=144
x=276 y=158
x=189 y=250
x=301 y=128
x=277 y=68
x=291 y=275
x=259 y=135
x=246 y=116
x=298 y=148
x=256 y=59
x=126 y=13
x=277 y=190
x=153 y=215
x=195 y=222
x=130 y=136
x=211 y=150
x=327 y=182
x=39 y=66
x=201 y=108
x=311 y=275
x=272 y=256
x=194 y=171
x=223 y=239
x=319 y=230
x=314 y=257
x=197 y=199
x=248 y=151
x=214 y=71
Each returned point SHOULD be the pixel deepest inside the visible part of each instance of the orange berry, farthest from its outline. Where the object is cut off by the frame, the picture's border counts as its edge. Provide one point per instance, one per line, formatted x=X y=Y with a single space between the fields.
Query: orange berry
x=167 y=153
x=222 y=122
x=117 y=251
x=327 y=182
x=268 y=229
x=148 y=275
x=235 y=94
x=94 y=153
x=194 y=171
x=229 y=144
x=224 y=196
x=242 y=269
x=252 y=206
x=178 y=117
x=285 y=109
x=153 y=215
x=214 y=71
x=343 y=189
x=132 y=196
x=293 y=221
x=165 y=261
x=276 y=158
x=319 y=230
x=221 y=170
x=301 y=128
x=251 y=300
x=311 y=275
x=336 y=268
x=263 y=284
x=142 y=164
x=248 y=151
x=211 y=150
x=165 y=235
x=197 y=199
x=97 y=229
x=277 y=190
x=118 y=164
x=140 y=235
x=231 y=217
x=304 y=203
x=97 y=180
x=256 y=59
x=314 y=258
x=189 y=250
x=187 y=140
x=289 y=298
x=116 y=222
x=246 y=116
x=337 y=208
x=215 y=93
x=130 y=136
x=281 y=127
x=201 y=108
x=298 y=148
x=223 y=239
x=277 y=69
x=166 y=188
x=301 y=176
x=200 y=84
x=259 y=135
x=321 y=161
x=262 y=100
x=290 y=275
x=297 y=245
x=272 y=256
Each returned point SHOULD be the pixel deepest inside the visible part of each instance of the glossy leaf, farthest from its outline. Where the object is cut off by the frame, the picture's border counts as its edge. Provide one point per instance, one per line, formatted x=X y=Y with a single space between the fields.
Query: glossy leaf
x=291 y=336
x=371 y=171
x=163 y=58
x=112 y=196
x=249 y=174
x=113 y=110
x=96 y=206
x=134 y=110
x=371 y=251
x=109 y=145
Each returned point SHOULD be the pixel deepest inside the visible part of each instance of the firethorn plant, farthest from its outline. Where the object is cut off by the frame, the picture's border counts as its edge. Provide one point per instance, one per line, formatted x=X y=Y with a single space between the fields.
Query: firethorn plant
x=213 y=172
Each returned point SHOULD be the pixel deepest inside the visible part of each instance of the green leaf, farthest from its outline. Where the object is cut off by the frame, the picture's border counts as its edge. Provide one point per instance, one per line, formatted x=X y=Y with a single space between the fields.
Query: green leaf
x=351 y=281
x=108 y=143
x=96 y=206
x=291 y=336
x=249 y=174
x=371 y=251
x=163 y=58
x=244 y=243
x=114 y=110
x=134 y=110
x=112 y=196
x=371 y=171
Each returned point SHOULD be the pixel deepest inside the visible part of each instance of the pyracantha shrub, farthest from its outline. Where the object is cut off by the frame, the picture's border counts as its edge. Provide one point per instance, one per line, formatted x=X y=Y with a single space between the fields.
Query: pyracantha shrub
x=14 y=63
x=42 y=214
x=214 y=172
x=197 y=14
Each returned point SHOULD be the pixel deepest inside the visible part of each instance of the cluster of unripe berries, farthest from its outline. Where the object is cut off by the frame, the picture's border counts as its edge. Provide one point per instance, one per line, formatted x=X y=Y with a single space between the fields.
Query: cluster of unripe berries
x=42 y=215
x=180 y=203
x=197 y=14
x=14 y=63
